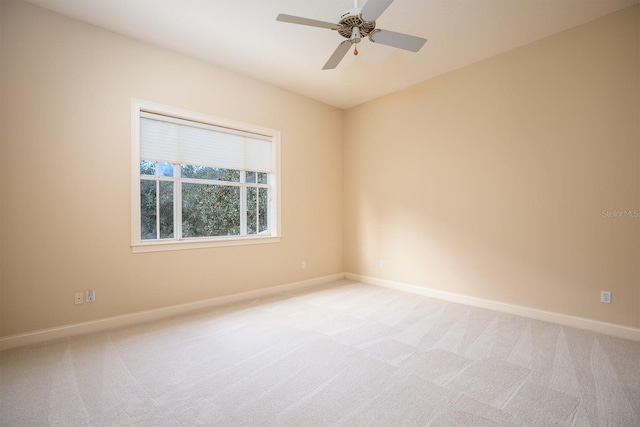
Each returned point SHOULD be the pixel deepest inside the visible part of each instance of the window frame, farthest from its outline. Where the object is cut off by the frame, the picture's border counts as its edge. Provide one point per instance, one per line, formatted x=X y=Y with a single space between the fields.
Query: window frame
x=138 y=245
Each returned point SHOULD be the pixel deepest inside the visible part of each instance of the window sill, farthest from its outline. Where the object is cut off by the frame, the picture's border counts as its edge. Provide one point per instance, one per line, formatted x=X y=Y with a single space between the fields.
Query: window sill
x=173 y=245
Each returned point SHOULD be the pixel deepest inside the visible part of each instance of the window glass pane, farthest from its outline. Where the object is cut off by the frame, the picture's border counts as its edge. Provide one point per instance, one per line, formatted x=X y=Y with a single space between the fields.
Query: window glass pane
x=251 y=177
x=204 y=172
x=165 y=169
x=210 y=210
x=147 y=167
x=263 y=203
x=257 y=202
x=252 y=210
x=166 y=209
x=147 y=209
x=262 y=178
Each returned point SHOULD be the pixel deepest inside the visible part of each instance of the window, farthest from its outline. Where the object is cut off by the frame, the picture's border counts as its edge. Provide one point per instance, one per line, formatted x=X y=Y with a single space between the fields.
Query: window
x=201 y=181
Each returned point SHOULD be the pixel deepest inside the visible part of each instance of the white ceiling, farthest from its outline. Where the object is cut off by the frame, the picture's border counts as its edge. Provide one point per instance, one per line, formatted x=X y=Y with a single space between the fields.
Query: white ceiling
x=243 y=36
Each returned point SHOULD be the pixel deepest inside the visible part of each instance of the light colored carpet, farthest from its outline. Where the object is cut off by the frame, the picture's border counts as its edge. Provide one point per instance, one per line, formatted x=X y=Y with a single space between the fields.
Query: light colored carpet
x=345 y=354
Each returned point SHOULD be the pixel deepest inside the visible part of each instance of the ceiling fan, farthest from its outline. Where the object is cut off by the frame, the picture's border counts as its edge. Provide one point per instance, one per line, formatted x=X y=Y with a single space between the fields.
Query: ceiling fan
x=357 y=23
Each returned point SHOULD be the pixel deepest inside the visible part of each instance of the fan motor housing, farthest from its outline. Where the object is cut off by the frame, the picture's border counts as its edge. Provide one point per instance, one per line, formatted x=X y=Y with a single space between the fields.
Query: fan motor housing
x=353 y=18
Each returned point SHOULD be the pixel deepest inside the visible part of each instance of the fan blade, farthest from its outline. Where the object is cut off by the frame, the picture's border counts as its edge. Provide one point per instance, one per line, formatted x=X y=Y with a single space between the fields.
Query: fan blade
x=306 y=21
x=374 y=8
x=337 y=56
x=399 y=40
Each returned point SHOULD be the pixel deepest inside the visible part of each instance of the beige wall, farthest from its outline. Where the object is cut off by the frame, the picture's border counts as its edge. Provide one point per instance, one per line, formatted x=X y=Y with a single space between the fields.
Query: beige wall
x=490 y=181
x=65 y=174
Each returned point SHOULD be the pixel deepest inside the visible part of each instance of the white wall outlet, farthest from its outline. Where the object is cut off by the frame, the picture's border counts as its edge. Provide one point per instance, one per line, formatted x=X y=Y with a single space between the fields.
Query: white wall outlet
x=605 y=296
x=79 y=299
x=91 y=295
x=303 y=265
x=381 y=263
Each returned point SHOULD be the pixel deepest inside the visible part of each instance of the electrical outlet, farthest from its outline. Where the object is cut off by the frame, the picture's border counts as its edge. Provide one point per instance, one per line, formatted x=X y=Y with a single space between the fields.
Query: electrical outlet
x=605 y=297
x=91 y=295
x=79 y=299
x=381 y=264
x=303 y=265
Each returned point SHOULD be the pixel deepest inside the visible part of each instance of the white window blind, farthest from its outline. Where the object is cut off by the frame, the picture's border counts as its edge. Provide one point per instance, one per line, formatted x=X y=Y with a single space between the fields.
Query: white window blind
x=171 y=140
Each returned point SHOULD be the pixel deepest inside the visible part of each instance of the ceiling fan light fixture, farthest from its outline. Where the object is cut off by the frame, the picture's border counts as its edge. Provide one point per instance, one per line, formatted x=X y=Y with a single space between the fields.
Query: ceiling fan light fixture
x=356 y=37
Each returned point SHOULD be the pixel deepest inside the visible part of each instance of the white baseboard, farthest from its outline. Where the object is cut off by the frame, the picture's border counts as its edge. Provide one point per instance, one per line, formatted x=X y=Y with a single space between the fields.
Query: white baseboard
x=532 y=313
x=19 y=340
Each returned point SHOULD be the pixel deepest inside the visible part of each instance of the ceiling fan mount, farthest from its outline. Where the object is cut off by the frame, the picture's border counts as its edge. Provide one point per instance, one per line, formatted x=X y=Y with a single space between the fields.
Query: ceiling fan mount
x=357 y=23
x=353 y=19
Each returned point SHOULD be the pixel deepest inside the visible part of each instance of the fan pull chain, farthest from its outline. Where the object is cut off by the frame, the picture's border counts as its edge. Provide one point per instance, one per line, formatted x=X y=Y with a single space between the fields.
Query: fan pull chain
x=355 y=49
